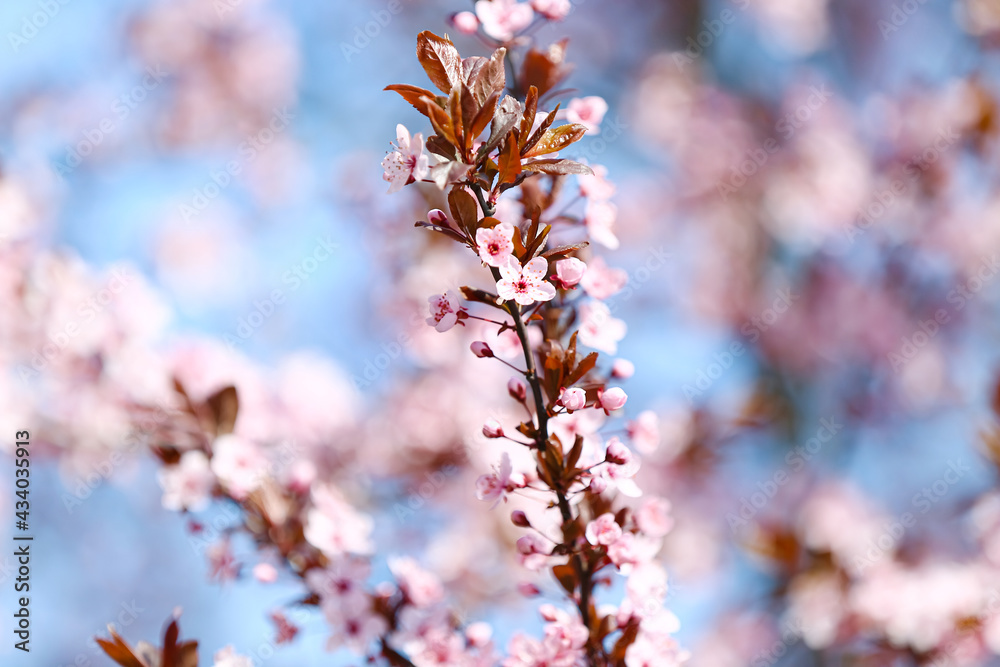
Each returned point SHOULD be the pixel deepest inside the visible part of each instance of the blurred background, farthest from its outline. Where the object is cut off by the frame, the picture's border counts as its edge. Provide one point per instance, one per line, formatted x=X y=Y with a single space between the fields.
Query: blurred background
x=810 y=225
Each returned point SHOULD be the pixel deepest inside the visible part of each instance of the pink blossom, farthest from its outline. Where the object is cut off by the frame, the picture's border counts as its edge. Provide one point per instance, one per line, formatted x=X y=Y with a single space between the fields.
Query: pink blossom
x=598 y=484
x=228 y=657
x=356 y=628
x=620 y=477
x=445 y=310
x=554 y=10
x=603 y=530
x=573 y=399
x=239 y=464
x=587 y=111
x=644 y=432
x=534 y=551
x=525 y=285
x=569 y=272
x=334 y=527
x=222 y=564
x=618 y=453
x=596 y=186
x=502 y=19
x=265 y=573
x=496 y=244
x=341 y=583
x=520 y=519
x=465 y=22
x=407 y=162
x=517 y=388
x=612 y=399
x=528 y=589
x=422 y=588
x=286 y=631
x=493 y=429
x=653 y=517
x=481 y=349
x=623 y=551
x=598 y=329
x=496 y=485
x=600 y=218
x=622 y=369
x=602 y=282
x=187 y=485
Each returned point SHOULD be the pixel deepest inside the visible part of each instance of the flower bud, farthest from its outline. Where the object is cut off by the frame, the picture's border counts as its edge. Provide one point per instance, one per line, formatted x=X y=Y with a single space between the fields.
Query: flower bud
x=481 y=349
x=520 y=519
x=612 y=399
x=465 y=22
x=622 y=369
x=492 y=429
x=618 y=453
x=570 y=271
x=573 y=399
x=598 y=484
x=517 y=388
x=265 y=573
x=437 y=217
x=528 y=589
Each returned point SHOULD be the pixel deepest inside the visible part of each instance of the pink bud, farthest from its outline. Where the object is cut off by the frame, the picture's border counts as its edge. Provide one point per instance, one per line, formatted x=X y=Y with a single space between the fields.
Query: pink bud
x=481 y=349
x=570 y=271
x=465 y=22
x=520 y=519
x=517 y=389
x=573 y=399
x=528 y=589
x=492 y=429
x=478 y=634
x=623 y=369
x=554 y=10
x=598 y=484
x=527 y=545
x=437 y=217
x=618 y=453
x=265 y=573
x=612 y=399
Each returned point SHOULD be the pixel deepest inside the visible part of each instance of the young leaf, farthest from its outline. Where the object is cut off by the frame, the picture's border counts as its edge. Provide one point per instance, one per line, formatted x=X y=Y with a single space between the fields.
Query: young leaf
x=507 y=115
x=449 y=172
x=483 y=117
x=557 y=139
x=545 y=69
x=413 y=94
x=464 y=209
x=564 y=250
x=440 y=59
x=530 y=110
x=557 y=167
x=510 y=159
x=542 y=129
x=441 y=122
x=224 y=405
x=491 y=77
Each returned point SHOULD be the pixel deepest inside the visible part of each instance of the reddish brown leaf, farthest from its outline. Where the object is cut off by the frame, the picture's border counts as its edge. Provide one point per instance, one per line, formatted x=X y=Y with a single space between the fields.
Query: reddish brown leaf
x=510 y=160
x=566 y=576
x=557 y=139
x=530 y=110
x=440 y=59
x=536 y=136
x=224 y=404
x=119 y=651
x=483 y=117
x=491 y=77
x=564 y=250
x=557 y=167
x=506 y=117
x=545 y=69
x=464 y=210
x=413 y=94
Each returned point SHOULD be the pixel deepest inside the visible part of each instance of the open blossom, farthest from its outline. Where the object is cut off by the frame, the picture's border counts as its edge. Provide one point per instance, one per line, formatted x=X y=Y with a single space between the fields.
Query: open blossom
x=239 y=464
x=445 y=309
x=600 y=218
x=187 y=485
x=596 y=186
x=502 y=19
x=496 y=244
x=653 y=517
x=408 y=162
x=526 y=284
x=334 y=527
x=569 y=272
x=341 y=583
x=222 y=564
x=623 y=369
x=554 y=10
x=587 y=111
x=603 y=530
x=601 y=281
x=598 y=329
x=356 y=628
x=422 y=588
x=617 y=453
x=496 y=485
